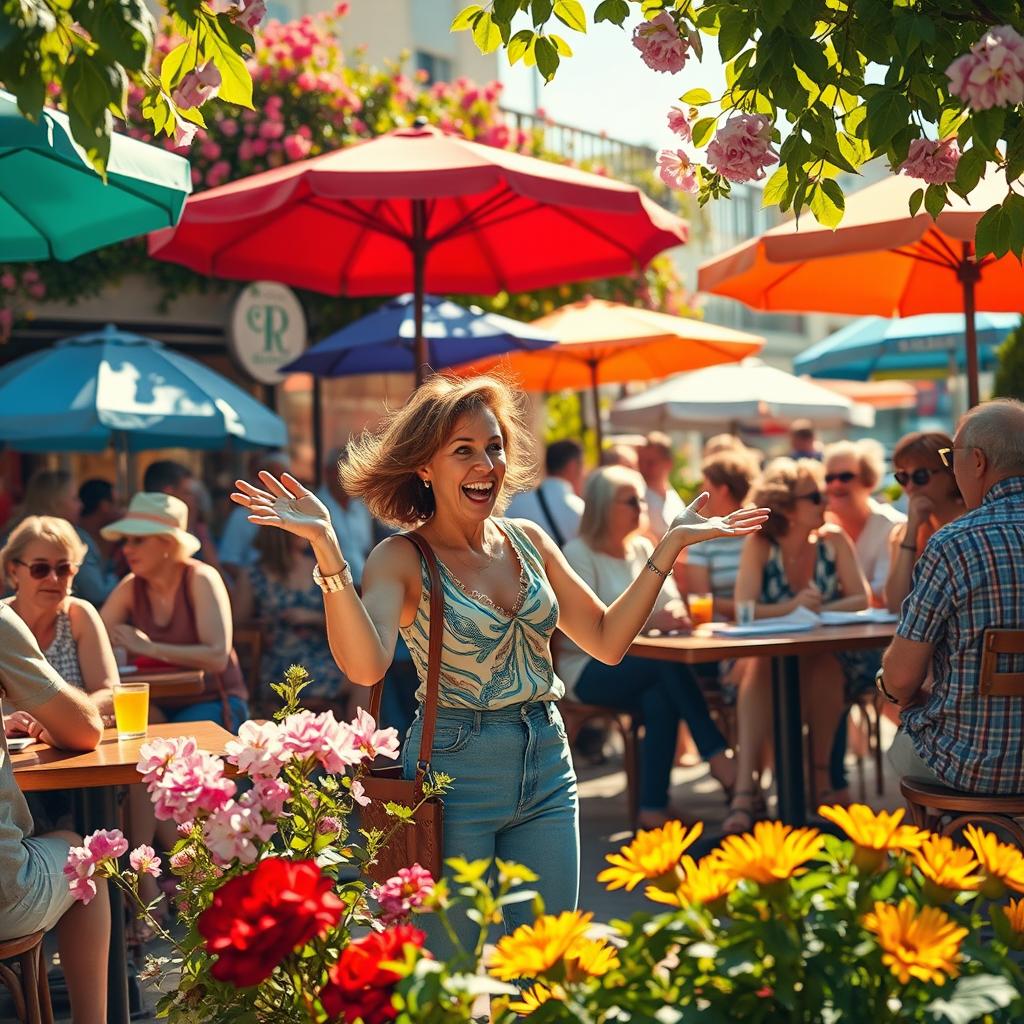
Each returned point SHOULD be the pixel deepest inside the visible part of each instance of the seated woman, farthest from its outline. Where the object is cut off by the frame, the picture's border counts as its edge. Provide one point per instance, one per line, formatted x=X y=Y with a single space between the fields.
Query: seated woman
x=798 y=561
x=279 y=590
x=40 y=560
x=608 y=555
x=171 y=608
x=933 y=500
x=34 y=894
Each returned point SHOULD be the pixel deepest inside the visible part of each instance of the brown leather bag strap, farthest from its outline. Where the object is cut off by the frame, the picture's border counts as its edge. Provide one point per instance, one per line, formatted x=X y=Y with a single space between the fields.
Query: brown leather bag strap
x=435 y=630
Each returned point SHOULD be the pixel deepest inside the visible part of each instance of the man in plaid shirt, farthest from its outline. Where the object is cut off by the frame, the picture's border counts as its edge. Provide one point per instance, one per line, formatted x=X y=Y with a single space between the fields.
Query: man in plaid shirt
x=970 y=578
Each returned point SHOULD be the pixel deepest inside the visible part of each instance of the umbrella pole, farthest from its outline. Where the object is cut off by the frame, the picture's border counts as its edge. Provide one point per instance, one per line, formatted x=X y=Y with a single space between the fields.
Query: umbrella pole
x=419 y=267
x=597 y=409
x=969 y=274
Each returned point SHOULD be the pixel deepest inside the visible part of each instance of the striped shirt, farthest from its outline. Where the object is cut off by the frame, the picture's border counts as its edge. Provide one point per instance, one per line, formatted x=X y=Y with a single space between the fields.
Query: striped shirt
x=970 y=578
x=721 y=558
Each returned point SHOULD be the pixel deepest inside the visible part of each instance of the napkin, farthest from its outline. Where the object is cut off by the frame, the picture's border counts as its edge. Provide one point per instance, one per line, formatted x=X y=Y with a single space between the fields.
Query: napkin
x=855 y=618
x=798 y=621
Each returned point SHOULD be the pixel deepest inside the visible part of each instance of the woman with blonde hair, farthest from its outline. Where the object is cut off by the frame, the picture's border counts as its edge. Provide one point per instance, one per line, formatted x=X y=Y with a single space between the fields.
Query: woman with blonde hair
x=609 y=553
x=799 y=561
x=445 y=466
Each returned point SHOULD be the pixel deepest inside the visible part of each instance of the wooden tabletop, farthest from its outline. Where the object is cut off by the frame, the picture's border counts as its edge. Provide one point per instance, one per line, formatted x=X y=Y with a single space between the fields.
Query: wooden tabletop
x=704 y=646
x=168 y=682
x=112 y=763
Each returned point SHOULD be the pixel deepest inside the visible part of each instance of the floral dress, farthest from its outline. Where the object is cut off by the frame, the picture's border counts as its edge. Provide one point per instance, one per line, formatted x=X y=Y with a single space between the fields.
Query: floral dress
x=286 y=645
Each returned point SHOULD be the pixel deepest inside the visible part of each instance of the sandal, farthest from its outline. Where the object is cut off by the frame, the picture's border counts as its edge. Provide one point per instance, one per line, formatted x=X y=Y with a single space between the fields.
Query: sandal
x=745 y=808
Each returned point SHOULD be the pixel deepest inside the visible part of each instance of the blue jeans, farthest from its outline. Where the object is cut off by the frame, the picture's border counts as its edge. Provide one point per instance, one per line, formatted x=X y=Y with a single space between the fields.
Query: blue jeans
x=211 y=711
x=514 y=797
x=665 y=694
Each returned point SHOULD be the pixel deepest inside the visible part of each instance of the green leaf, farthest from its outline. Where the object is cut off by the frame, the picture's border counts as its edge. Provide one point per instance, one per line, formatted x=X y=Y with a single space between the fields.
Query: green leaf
x=915 y=202
x=540 y=11
x=835 y=194
x=547 y=57
x=124 y=30
x=466 y=18
x=773 y=11
x=236 y=82
x=991 y=234
x=776 y=187
x=519 y=44
x=505 y=10
x=486 y=34
x=615 y=11
x=823 y=206
x=571 y=14
x=733 y=34
x=703 y=130
x=887 y=112
x=88 y=84
x=696 y=97
x=563 y=48
x=969 y=171
x=176 y=63
x=987 y=128
x=854 y=150
x=950 y=121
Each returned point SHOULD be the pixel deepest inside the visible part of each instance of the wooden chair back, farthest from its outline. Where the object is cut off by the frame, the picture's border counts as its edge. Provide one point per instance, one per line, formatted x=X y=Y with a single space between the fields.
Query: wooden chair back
x=992 y=682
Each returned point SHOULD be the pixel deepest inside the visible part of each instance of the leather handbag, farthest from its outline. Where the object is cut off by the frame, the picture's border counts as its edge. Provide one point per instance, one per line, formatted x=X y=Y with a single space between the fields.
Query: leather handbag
x=421 y=841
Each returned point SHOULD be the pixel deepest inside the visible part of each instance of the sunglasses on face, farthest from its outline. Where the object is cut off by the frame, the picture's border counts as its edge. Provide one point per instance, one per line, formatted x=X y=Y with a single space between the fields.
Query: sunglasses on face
x=844 y=478
x=919 y=476
x=814 y=497
x=40 y=570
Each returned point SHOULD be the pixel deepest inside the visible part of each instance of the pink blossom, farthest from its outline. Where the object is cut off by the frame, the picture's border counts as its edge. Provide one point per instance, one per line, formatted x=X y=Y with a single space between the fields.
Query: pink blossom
x=185 y=827
x=306 y=81
x=322 y=736
x=329 y=826
x=296 y=147
x=258 y=751
x=496 y=135
x=259 y=147
x=189 y=786
x=742 y=148
x=144 y=860
x=37 y=291
x=933 y=162
x=341 y=9
x=268 y=796
x=403 y=893
x=199 y=85
x=677 y=171
x=184 y=133
x=233 y=832
x=106 y=843
x=253 y=13
x=273 y=106
x=373 y=742
x=245 y=150
x=182 y=860
x=30 y=276
x=228 y=127
x=678 y=123
x=83 y=889
x=359 y=794
x=218 y=174
x=8 y=281
x=992 y=73
x=271 y=129
x=85 y=861
x=660 y=44
x=210 y=150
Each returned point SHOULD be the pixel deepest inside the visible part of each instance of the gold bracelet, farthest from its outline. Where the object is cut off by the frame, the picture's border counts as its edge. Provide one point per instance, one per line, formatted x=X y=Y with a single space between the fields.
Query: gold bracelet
x=334 y=583
x=657 y=571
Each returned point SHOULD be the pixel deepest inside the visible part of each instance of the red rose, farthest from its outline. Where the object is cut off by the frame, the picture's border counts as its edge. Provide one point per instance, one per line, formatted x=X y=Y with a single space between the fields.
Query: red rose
x=257 y=919
x=359 y=987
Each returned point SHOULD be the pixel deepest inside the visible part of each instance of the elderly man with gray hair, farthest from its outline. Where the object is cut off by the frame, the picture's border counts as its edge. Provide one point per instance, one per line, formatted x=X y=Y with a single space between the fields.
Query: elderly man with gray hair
x=970 y=578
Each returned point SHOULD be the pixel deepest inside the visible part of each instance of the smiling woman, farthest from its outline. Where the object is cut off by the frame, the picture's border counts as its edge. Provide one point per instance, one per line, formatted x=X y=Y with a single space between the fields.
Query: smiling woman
x=444 y=467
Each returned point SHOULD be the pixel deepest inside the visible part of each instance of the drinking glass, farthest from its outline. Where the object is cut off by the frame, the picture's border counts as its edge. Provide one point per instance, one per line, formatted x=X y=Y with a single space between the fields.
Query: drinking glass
x=746 y=612
x=131 y=710
x=702 y=607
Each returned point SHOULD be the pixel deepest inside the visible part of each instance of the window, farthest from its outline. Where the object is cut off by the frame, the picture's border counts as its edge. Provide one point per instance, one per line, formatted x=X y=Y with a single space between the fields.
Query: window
x=438 y=69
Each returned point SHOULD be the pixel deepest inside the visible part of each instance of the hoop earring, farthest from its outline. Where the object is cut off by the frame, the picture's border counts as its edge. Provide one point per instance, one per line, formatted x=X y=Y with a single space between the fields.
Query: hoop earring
x=426 y=483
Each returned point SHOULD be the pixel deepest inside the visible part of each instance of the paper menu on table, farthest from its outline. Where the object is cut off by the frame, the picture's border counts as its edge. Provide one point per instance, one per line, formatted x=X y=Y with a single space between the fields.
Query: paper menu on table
x=797 y=621
x=880 y=615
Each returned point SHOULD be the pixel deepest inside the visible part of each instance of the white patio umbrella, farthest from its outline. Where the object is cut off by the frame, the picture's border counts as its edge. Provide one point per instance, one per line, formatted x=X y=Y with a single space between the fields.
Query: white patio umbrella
x=733 y=395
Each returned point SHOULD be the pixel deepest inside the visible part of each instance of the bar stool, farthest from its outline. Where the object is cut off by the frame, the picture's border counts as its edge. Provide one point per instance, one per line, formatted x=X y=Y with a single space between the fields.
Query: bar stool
x=28 y=987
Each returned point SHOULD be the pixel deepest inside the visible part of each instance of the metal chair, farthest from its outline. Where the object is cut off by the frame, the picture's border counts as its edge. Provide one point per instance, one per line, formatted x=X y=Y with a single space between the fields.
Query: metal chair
x=27 y=985
x=948 y=810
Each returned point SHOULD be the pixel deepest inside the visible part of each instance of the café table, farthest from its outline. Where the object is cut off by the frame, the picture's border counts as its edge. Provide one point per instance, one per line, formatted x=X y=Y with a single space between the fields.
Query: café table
x=166 y=682
x=98 y=773
x=706 y=645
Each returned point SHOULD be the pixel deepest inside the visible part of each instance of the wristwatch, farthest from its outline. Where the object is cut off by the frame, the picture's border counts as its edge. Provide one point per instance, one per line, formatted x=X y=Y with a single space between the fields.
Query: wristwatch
x=880 y=687
x=334 y=583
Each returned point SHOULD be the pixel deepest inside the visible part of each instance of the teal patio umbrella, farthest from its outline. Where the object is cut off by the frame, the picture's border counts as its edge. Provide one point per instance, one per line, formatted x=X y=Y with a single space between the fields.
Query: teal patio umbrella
x=54 y=206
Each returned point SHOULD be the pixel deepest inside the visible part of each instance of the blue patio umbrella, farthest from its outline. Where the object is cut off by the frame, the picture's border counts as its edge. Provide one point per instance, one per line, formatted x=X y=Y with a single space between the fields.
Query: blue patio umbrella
x=385 y=341
x=87 y=393
x=53 y=205
x=908 y=346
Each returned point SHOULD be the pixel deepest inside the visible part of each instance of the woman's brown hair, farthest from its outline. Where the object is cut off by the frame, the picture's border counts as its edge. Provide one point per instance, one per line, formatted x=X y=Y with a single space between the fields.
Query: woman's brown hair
x=776 y=488
x=732 y=468
x=923 y=446
x=381 y=467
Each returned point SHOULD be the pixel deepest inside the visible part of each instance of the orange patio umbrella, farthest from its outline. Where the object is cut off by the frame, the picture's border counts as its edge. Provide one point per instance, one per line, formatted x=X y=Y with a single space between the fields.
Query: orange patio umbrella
x=879 y=260
x=601 y=342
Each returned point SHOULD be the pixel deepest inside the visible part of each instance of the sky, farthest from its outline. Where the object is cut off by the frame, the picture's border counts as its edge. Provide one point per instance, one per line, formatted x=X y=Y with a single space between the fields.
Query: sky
x=606 y=86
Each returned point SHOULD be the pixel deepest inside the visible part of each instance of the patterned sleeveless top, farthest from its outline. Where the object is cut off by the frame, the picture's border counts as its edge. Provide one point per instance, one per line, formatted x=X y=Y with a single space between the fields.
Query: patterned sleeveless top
x=490 y=659
x=62 y=654
x=775 y=587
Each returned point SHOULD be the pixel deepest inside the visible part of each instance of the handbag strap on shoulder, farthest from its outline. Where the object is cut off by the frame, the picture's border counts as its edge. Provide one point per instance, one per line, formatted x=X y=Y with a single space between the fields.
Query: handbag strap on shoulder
x=435 y=630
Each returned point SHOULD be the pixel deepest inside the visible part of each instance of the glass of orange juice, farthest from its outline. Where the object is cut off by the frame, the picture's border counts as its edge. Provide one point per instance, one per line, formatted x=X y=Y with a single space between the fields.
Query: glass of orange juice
x=131 y=710
x=702 y=607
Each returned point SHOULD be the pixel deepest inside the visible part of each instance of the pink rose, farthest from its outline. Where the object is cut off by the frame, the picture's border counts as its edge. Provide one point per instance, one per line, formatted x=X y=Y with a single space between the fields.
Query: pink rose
x=742 y=148
x=933 y=162
x=144 y=860
x=306 y=81
x=258 y=750
x=198 y=86
x=660 y=45
x=210 y=150
x=992 y=73
x=233 y=832
x=296 y=147
x=106 y=843
x=228 y=127
x=678 y=123
x=271 y=129
x=403 y=893
x=497 y=135
x=677 y=171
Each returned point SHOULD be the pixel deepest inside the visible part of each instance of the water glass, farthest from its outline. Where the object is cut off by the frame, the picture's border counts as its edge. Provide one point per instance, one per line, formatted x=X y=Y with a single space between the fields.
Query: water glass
x=746 y=612
x=131 y=710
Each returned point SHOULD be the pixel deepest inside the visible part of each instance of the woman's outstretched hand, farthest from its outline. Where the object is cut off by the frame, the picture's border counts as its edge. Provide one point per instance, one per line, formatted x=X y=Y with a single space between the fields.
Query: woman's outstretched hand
x=284 y=503
x=692 y=527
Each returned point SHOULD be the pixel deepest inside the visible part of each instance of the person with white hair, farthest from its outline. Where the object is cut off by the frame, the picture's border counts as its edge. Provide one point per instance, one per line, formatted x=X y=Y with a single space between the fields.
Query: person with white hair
x=969 y=579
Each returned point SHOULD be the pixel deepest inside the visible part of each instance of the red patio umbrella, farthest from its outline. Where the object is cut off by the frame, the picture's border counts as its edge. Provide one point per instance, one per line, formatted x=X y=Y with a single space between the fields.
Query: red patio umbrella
x=419 y=207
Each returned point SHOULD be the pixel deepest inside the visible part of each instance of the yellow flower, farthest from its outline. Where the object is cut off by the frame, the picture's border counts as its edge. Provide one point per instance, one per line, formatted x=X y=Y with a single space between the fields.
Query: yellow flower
x=1003 y=863
x=947 y=865
x=652 y=855
x=881 y=831
x=532 y=999
x=771 y=853
x=535 y=948
x=590 y=957
x=923 y=945
x=1014 y=912
x=703 y=882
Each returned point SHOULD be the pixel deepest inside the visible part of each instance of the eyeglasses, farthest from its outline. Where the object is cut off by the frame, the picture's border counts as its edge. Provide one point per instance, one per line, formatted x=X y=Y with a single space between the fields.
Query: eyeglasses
x=946 y=454
x=919 y=476
x=40 y=570
x=844 y=478
x=814 y=497
x=633 y=502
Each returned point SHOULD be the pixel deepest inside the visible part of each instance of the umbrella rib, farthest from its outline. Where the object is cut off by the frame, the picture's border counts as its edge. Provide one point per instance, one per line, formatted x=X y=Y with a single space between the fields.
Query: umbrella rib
x=475 y=218
x=485 y=249
x=938 y=241
x=604 y=236
x=934 y=260
x=356 y=248
x=358 y=216
x=35 y=227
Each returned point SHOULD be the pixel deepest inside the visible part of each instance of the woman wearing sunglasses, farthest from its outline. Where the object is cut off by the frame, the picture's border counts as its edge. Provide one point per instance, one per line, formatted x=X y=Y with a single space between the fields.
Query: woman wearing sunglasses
x=798 y=561
x=933 y=500
x=608 y=555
